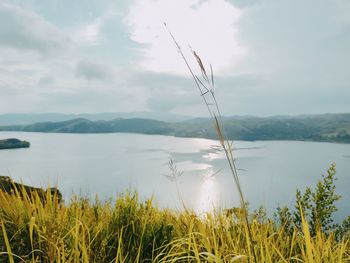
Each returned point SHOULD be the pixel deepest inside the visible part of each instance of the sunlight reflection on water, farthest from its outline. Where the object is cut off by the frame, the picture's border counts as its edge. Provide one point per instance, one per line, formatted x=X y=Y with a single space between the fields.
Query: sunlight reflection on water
x=208 y=194
x=189 y=166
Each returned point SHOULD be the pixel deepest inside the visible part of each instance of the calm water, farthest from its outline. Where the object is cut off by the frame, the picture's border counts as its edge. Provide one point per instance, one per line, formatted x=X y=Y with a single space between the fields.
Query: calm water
x=108 y=164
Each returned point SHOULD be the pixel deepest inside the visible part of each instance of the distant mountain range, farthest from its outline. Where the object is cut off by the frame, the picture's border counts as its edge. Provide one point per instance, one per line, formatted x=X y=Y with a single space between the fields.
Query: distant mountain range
x=326 y=127
x=29 y=118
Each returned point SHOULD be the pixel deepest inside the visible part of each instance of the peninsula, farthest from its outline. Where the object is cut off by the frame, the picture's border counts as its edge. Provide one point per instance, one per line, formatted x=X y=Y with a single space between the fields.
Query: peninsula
x=13 y=143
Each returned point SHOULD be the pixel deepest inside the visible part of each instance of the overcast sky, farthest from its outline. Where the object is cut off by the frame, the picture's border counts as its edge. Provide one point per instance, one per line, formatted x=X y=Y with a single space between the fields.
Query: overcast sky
x=269 y=57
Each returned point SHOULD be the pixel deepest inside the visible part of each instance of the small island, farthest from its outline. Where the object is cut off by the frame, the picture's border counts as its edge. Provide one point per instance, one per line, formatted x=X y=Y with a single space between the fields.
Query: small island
x=13 y=143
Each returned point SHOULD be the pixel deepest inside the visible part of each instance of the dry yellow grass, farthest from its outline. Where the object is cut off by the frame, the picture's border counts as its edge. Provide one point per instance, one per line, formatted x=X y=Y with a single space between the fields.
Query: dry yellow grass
x=132 y=231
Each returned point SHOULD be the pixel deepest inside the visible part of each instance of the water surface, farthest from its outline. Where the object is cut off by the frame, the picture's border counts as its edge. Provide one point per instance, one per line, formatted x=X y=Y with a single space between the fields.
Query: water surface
x=108 y=164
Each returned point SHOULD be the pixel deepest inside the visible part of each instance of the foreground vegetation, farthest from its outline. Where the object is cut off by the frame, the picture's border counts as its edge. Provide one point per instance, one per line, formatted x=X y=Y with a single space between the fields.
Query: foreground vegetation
x=34 y=229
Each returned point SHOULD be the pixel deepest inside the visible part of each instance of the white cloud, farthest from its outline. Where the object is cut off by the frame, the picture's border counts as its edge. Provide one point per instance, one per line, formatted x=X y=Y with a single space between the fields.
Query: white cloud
x=24 y=30
x=210 y=28
x=90 y=33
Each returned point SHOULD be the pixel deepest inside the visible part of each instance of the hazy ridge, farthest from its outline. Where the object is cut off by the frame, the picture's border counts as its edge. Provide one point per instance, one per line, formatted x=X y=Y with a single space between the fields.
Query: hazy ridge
x=325 y=127
x=30 y=118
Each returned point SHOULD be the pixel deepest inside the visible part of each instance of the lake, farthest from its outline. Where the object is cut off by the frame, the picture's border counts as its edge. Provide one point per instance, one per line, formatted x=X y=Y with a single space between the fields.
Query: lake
x=109 y=164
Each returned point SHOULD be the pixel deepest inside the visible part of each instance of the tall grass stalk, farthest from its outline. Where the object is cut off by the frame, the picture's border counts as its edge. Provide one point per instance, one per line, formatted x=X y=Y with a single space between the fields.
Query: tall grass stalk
x=205 y=85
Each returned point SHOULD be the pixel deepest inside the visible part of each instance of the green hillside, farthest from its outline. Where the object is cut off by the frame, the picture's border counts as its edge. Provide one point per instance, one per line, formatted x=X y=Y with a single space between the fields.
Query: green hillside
x=325 y=128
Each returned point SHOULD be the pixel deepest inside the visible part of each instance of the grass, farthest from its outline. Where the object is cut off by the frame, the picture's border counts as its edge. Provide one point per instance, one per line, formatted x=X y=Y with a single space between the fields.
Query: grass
x=35 y=230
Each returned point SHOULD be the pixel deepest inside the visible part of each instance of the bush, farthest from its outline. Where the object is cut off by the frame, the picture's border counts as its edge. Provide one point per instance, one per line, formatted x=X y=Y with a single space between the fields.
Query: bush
x=318 y=206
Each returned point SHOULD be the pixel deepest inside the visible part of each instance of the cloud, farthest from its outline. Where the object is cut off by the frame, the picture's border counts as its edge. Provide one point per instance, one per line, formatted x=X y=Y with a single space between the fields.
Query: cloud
x=210 y=27
x=24 y=30
x=166 y=101
x=92 y=70
x=293 y=35
x=243 y=83
x=46 y=81
x=92 y=99
x=166 y=92
x=160 y=81
x=243 y=3
x=171 y=92
x=268 y=57
x=90 y=33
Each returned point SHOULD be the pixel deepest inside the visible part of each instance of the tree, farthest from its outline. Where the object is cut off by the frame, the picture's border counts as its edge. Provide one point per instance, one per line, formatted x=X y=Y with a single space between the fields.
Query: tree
x=317 y=205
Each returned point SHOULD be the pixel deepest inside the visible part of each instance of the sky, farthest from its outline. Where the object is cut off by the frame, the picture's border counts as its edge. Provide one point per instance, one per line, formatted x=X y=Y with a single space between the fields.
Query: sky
x=269 y=57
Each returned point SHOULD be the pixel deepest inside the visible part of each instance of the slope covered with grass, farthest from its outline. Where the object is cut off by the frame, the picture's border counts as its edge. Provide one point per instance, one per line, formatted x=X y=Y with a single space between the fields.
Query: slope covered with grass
x=128 y=230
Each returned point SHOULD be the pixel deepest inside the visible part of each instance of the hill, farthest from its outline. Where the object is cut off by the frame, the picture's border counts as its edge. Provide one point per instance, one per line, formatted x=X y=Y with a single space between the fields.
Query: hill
x=29 y=118
x=326 y=127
